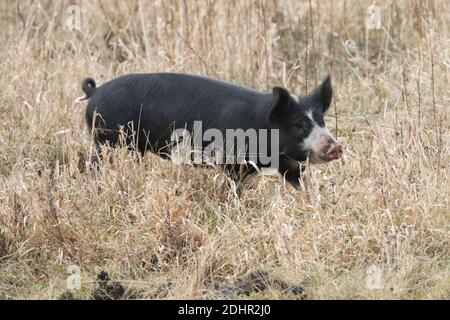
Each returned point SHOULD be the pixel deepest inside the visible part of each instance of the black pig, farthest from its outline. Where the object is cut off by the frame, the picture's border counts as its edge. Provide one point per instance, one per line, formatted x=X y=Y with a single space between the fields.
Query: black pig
x=147 y=108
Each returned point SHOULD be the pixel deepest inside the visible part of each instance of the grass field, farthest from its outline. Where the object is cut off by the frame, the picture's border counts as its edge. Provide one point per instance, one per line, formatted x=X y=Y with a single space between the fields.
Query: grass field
x=374 y=224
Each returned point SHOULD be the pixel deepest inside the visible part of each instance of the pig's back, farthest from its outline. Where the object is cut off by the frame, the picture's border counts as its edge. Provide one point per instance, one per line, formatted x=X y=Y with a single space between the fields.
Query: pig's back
x=161 y=102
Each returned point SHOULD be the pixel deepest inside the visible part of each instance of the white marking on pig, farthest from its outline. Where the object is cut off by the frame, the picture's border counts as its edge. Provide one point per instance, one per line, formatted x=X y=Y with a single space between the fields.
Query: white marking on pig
x=318 y=138
x=310 y=116
x=296 y=99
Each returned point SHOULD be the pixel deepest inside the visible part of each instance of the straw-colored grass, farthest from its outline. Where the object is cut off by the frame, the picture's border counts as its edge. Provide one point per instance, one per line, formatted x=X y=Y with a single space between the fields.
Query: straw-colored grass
x=172 y=231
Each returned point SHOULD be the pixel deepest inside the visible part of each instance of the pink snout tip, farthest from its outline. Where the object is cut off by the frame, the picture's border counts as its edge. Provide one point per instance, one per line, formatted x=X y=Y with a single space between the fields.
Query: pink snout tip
x=335 y=152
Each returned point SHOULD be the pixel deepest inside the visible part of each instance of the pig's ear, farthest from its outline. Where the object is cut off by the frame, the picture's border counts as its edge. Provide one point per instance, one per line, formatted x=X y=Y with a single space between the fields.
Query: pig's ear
x=281 y=99
x=322 y=94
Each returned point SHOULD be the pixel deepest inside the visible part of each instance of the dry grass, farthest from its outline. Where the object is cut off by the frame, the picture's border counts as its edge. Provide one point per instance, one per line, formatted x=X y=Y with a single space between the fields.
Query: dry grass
x=182 y=229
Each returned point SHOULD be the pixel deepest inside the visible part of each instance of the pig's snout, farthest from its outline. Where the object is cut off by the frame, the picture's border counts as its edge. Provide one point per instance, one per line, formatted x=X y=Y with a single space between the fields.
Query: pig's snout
x=335 y=151
x=322 y=146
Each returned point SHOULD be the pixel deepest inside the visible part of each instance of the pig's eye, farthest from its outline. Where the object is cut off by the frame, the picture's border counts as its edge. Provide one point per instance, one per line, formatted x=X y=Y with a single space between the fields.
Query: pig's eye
x=299 y=126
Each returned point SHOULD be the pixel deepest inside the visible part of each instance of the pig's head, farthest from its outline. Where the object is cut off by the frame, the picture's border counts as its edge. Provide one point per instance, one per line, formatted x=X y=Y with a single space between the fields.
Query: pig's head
x=301 y=125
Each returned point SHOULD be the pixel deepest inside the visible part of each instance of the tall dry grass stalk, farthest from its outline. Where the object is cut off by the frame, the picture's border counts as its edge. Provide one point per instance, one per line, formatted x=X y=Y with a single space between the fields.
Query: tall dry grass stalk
x=155 y=225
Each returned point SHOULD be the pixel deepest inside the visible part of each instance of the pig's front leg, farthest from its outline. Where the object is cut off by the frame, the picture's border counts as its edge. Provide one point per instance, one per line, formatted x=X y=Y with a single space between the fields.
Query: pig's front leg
x=292 y=176
x=291 y=171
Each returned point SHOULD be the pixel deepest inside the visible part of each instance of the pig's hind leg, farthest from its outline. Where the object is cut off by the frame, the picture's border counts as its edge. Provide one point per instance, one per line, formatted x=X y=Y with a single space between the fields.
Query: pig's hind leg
x=95 y=157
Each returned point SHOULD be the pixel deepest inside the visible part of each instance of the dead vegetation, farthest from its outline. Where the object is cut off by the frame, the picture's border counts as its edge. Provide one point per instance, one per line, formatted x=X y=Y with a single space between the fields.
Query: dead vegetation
x=168 y=231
